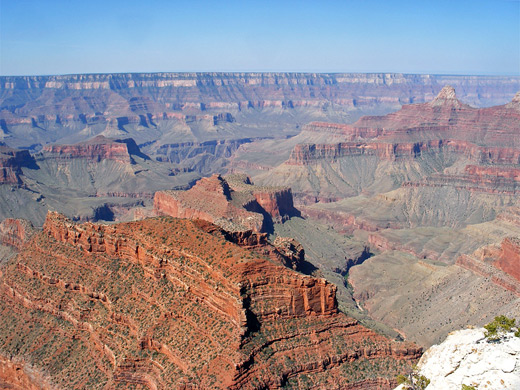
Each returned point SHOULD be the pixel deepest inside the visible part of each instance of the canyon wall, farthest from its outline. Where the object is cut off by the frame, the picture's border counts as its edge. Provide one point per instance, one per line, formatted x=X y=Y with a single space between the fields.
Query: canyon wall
x=97 y=149
x=11 y=163
x=159 y=109
x=265 y=325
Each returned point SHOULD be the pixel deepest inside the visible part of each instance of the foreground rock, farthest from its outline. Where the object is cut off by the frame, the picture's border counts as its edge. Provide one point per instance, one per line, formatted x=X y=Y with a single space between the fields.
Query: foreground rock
x=466 y=357
x=161 y=303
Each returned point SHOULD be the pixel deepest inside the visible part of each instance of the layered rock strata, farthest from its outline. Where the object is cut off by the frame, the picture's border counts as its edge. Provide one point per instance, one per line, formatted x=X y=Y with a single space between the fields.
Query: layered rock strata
x=169 y=108
x=15 y=232
x=130 y=302
x=96 y=149
x=501 y=263
x=11 y=163
x=236 y=206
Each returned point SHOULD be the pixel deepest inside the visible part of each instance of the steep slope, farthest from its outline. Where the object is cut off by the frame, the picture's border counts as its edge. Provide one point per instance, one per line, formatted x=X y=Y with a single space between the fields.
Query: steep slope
x=160 y=303
x=11 y=163
x=427 y=188
x=443 y=142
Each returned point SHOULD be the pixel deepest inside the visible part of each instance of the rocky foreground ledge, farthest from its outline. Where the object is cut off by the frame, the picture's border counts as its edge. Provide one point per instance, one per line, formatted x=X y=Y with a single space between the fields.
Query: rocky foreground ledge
x=467 y=357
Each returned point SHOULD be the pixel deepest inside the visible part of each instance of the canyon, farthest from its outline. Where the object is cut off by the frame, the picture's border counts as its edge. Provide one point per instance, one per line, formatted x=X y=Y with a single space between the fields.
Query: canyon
x=306 y=223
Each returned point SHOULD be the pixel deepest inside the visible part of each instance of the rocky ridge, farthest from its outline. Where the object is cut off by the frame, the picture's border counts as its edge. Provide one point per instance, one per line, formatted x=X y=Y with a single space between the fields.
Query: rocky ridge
x=170 y=108
x=427 y=188
x=97 y=149
x=232 y=202
x=264 y=322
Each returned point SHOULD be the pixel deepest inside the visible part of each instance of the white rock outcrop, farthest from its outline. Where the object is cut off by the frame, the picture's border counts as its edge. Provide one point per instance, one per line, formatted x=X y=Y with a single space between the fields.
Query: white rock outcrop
x=466 y=357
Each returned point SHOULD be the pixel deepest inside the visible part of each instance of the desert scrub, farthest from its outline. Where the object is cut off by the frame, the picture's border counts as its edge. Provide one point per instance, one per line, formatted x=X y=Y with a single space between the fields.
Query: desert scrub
x=499 y=327
x=413 y=381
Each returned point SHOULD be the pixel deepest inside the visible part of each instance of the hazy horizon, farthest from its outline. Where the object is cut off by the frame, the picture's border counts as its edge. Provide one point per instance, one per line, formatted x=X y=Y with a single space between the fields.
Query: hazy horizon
x=445 y=38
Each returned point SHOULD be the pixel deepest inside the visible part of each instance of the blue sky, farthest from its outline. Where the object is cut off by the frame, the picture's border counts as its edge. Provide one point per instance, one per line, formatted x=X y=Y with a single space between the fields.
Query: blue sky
x=421 y=36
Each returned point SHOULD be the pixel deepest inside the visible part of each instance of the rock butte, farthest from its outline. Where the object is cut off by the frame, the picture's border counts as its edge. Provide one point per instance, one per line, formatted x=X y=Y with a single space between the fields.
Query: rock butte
x=161 y=303
x=96 y=149
x=232 y=202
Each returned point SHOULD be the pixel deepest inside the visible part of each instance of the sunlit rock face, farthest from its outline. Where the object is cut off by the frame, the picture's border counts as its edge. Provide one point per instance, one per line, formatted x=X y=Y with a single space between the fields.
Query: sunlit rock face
x=466 y=357
x=169 y=303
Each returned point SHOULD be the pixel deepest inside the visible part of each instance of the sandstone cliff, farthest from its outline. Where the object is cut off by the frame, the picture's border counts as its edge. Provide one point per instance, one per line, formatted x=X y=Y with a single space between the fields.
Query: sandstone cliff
x=237 y=205
x=161 y=304
x=96 y=149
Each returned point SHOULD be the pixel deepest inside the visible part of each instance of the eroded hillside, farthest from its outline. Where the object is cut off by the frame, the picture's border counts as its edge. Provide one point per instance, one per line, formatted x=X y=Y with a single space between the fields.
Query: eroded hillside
x=161 y=303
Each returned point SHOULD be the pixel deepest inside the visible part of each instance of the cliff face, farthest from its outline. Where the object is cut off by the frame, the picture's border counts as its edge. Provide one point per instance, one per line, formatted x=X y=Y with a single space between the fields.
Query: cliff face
x=236 y=206
x=501 y=263
x=96 y=149
x=443 y=130
x=264 y=325
x=11 y=163
x=509 y=259
x=172 y=108
x=15 y=232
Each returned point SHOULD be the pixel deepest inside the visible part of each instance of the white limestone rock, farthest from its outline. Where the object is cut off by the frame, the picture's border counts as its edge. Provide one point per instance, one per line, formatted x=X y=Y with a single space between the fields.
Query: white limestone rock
x=466 y=357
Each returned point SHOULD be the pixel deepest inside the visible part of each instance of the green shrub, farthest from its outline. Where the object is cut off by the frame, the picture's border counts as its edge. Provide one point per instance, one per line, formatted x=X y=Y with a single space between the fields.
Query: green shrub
x=414 y=381
x=467 y=387
x=498 y=328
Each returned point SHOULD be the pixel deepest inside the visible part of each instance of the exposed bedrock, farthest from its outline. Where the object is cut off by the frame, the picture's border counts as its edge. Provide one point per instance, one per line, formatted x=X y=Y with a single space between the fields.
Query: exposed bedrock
x=264 y=325
x=11 y=163
x=96 y=149
x=501 y=263
x=15 y=232
x=169 y=108
x=237 y=205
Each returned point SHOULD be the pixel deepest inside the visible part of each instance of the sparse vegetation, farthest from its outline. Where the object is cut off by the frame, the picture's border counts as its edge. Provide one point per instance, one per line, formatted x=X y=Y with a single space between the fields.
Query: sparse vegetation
x=499 y=327
x=413 y=381
x=467 y=387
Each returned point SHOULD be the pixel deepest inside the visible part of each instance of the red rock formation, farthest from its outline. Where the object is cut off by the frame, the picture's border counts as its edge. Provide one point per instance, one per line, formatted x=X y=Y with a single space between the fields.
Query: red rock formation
x=500 y=263
x=237 y=206
x=161 y=303
x=15 y=232
x=95 y=149
x=284 y=250
x=488 y=137
x=509 y=259
x=11 y=163
x=14 y=375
